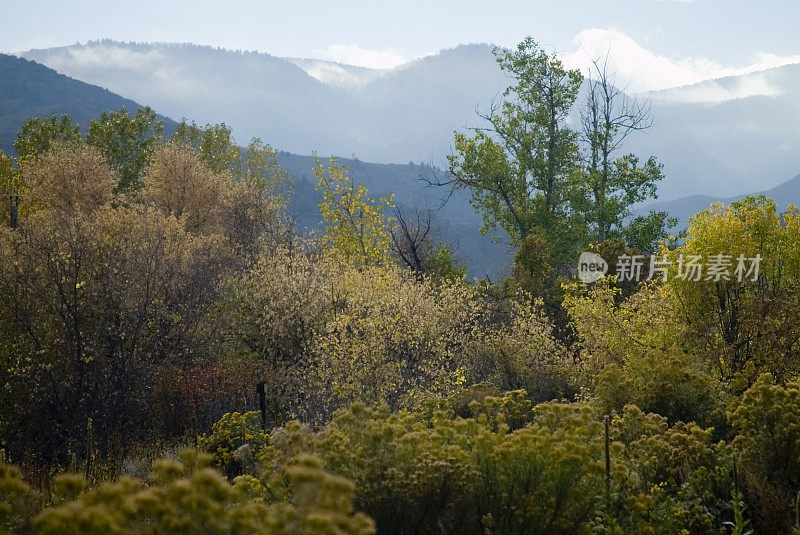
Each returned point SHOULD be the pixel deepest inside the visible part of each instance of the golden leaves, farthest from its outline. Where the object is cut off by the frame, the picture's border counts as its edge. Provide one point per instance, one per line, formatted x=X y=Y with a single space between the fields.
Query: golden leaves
x=356 y=224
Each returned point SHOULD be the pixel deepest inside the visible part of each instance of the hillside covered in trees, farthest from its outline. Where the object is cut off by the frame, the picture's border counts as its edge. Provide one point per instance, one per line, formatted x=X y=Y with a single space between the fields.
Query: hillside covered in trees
x=31 y=89
x=177 y=356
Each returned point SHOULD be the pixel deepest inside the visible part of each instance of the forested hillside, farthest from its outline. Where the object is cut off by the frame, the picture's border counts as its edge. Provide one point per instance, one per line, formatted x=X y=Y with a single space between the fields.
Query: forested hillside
x=29 y=89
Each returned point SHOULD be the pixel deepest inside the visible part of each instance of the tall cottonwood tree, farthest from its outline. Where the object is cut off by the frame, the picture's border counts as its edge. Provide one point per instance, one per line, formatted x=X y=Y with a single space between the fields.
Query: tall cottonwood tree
x=610 y=185
x=520 y=167
x=527 y=175
x=517 y=167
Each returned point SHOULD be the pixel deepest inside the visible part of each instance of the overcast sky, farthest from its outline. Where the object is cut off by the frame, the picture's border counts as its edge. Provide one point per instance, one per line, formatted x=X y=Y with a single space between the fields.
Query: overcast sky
x=661 y=43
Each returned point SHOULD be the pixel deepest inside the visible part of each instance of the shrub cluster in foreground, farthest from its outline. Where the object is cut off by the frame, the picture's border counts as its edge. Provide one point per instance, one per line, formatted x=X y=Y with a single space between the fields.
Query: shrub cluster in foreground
x=510 y=467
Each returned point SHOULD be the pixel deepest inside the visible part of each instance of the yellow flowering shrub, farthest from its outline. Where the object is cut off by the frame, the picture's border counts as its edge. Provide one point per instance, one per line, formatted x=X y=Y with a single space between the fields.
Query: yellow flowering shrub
x=188 y=497
x=356 y=225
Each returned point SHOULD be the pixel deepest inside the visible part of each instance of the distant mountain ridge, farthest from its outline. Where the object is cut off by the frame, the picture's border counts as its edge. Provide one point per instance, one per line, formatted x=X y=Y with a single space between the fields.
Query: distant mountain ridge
x=684 y=208
x=383 y=119
x=29 y=89
x=719 y=138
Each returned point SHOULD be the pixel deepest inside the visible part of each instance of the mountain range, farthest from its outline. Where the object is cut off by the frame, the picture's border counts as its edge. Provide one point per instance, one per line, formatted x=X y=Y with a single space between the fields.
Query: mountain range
x=717 y=139
x=684 y=208
x=29 y=89
x=721 y=137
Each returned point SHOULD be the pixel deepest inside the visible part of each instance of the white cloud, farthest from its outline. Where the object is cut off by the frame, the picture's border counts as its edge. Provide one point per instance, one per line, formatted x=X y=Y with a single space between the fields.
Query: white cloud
x=345 y=76
x=640 y=70
x=637 y=68
x=353 y=54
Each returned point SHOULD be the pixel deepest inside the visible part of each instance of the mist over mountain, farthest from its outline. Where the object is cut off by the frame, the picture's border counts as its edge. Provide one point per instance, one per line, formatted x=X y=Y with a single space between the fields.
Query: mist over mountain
x=720 y=137
x=397 y=115
x=747 y=125
x=29 y=89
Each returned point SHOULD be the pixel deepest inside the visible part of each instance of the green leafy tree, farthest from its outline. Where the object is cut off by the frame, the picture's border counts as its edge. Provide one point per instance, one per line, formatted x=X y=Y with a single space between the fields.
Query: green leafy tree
x=127 y=142
x=214 y=144
x=256 y=164
x=518 y=166
x=628 y=361
x=38 y=135
x=442 y=264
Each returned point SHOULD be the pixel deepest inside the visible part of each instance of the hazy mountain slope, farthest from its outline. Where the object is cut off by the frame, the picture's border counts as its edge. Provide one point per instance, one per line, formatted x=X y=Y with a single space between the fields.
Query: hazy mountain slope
x=751 y=123
x=719 y=137
x=257 y=94
x=684 y=208
x=415 y=108
x=407 y=113
x=30 y=89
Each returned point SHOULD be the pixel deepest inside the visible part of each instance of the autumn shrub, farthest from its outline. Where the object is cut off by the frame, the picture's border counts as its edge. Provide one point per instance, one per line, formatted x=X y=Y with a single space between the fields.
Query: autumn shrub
x=671 y=384
x=273 y=315
x=240 y=200
x=187 y=497
x=234 y=440
x=521 y=352
x=394 y=339
x=767 y=420
x=421 y=472
x=14 y=499
x=329 y=333
x=546 y=477
x=105 y=294
x=634 y=352
x=679 y=477
x=89 y=324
